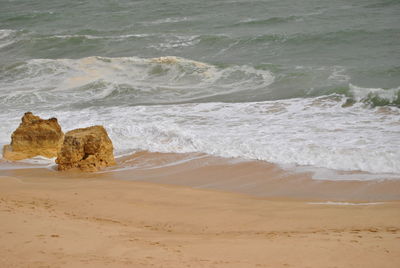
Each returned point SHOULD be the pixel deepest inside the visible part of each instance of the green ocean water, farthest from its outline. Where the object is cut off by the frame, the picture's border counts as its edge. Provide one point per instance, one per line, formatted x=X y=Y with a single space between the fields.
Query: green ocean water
x=303 y=42
x=339 y=59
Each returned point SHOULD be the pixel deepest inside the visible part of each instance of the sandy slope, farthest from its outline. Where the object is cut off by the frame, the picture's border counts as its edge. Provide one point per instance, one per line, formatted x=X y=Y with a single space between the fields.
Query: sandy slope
x=59 y=222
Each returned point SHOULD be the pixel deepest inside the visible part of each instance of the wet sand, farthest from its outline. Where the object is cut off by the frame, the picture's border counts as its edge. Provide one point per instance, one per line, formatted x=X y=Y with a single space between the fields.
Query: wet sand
x=206 y=217
x=200 y=171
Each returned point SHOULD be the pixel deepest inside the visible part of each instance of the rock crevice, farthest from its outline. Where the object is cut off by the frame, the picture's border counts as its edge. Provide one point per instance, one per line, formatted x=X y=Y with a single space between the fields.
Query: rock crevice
x=86 y=149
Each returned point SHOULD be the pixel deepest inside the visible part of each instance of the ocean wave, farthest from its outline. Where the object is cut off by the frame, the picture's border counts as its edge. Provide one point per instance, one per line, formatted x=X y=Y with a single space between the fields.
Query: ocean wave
x=30 y=15
x=267 y=21
x=158 y=42
x=315 y=132
x=129 y=80
x=383 y=4
x=7 y=37
x=326 y=37
x=4 y=33
x=375 y=96
x=166 y=21
x=309 y=132
x=176 y=41
x=94 y=37
x=103 y=81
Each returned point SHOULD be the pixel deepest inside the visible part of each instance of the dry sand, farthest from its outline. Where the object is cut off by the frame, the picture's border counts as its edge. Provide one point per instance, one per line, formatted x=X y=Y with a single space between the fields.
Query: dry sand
x=48 y=219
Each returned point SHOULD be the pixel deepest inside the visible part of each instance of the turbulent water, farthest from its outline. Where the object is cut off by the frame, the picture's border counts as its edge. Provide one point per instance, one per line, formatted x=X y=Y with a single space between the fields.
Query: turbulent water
x=301 y=83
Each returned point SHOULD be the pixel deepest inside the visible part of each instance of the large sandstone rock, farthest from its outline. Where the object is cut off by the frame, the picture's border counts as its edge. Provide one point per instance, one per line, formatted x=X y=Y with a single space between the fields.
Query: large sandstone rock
x=33 y=137
x=86 y=149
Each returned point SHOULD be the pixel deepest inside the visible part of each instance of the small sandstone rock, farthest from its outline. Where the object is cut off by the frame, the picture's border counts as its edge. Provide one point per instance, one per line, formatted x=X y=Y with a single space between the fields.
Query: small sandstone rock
x=33 y=137
x=86 y=149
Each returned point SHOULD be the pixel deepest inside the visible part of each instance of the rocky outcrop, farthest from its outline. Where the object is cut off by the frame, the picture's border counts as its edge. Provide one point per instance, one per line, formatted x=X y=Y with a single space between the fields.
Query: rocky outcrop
x=86 y=149
x=33 y=137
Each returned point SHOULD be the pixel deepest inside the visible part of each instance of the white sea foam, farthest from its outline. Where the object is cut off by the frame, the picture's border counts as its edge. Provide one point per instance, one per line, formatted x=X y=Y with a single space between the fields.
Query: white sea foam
x=39 y=160
x=6 y=37
x=331 y=203
x=166 y=20
x=176 y=41
x=127 y=80
x=339 y=74
x=364 y=94
x=320 y=173
x=35 y=162
x=94 y=37
x=168 y=41
x=316 y=132
x=5 y=44
x=4 y=33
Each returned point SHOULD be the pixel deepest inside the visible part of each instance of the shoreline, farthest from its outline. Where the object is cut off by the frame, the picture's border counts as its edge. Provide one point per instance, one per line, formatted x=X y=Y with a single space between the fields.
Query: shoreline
x=200 y=171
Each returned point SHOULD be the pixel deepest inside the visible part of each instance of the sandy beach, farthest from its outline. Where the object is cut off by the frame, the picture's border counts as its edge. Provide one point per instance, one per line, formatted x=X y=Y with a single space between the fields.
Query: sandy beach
x=217 y=134
x=51 y=219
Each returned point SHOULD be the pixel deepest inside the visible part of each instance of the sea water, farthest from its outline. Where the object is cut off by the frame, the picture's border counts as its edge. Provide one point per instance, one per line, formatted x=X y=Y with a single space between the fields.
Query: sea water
x=308 y=83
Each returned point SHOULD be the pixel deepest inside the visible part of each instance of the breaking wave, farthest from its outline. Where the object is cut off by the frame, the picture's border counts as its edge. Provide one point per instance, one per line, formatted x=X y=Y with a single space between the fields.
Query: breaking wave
x=164 y=105
x=129 y=81
x=375 y=96
x=316 y=132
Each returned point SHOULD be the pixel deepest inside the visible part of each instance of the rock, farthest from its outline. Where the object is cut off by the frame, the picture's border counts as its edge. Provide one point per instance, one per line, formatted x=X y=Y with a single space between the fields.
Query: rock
x=33 y=137
x=86 y=149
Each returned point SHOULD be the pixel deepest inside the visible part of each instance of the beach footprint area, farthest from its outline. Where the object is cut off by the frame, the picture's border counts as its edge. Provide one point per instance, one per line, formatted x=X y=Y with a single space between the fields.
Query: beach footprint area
x=102 y=223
